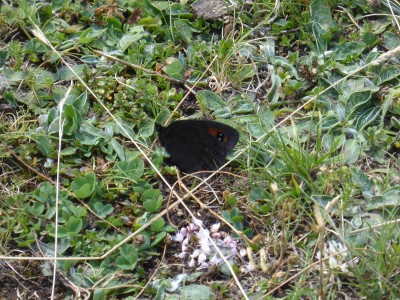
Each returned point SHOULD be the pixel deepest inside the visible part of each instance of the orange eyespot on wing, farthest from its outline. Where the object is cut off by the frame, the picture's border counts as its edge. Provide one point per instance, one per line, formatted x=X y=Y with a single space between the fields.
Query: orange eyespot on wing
x=221 y=136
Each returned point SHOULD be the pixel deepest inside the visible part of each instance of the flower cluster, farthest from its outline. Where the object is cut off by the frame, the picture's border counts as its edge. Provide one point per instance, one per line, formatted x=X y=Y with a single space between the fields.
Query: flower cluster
x=339 y=257
x=196 y=243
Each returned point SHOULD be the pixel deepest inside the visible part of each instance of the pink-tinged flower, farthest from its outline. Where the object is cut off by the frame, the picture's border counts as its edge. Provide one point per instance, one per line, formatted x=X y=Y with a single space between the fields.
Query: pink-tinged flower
x=195 y=253
x=178 y=238
x=202 y=258
x=215 y=227
x=203 y=266
x=215 y=260
x=198 y=222
x=234 y=252
x=243 y=252
x=249 y=267
x=185 y=244
x=203 y=236
x=192 y=227
x=184 y=231
x=192 y=263
x=230 y=241
x=216 y=235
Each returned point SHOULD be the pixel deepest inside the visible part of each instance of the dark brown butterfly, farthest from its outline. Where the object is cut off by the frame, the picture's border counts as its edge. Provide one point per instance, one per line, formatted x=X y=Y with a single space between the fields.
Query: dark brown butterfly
x=197 y=145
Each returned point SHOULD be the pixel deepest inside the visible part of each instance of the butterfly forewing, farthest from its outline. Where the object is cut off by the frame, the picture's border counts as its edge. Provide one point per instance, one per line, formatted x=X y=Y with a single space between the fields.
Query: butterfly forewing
x=196 y=145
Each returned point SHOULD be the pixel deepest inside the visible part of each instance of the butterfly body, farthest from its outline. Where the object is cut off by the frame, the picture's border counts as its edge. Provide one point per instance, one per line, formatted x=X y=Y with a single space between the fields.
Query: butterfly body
x=197 y=145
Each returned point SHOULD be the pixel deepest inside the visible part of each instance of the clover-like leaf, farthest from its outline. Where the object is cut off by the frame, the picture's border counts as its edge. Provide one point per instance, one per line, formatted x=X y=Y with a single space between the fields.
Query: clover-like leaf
x=83 y=187
x=128 y=257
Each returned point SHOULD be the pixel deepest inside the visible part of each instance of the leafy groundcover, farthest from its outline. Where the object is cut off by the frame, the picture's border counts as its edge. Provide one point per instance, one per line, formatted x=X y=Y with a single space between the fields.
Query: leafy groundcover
x=308 y=204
